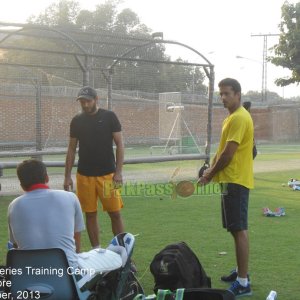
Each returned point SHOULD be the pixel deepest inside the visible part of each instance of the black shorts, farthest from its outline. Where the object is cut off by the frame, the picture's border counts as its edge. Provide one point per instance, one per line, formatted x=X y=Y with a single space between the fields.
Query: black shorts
x=234 y=202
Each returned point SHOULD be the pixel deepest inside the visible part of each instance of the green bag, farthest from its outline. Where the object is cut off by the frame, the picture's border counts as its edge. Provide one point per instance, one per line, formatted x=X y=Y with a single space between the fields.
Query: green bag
x=161 y=295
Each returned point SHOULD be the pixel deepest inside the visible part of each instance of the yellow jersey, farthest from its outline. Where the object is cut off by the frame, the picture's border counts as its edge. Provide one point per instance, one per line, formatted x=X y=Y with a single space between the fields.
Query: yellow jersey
x=237 y=127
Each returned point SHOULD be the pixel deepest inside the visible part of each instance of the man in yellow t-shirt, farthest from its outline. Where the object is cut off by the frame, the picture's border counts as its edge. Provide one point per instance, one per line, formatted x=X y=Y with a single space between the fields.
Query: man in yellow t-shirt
x=232 y=167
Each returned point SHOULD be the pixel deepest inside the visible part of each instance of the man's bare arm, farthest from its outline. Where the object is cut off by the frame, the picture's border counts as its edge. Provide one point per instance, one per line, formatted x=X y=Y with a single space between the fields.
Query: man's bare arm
x=219 y=164
x=77 y=237
x=118 y=139
x=70 y=158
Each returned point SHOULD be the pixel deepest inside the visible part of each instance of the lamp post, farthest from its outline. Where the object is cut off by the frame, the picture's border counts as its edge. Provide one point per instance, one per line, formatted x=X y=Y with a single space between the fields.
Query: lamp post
x=263 y=77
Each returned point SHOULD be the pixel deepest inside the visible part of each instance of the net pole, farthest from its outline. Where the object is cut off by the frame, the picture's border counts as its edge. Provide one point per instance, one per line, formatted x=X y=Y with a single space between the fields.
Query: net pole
x=209 y=113
x=171 y=132
x=38 y=118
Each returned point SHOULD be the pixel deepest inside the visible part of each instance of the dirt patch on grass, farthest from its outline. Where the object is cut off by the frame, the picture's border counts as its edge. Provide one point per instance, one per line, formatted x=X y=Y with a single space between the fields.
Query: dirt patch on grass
x=276 y=165
x=11 y=186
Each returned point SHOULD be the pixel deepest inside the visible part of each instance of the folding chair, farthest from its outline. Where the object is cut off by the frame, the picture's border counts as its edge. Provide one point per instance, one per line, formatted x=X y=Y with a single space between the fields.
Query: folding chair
x=49 y=280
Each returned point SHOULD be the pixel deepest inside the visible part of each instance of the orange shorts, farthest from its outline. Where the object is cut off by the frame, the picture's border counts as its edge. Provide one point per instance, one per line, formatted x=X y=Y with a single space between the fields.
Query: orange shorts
x=91 y=188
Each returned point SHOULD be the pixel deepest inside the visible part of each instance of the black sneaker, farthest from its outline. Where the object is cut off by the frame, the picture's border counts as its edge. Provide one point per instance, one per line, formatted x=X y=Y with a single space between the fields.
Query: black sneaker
x=232 y=276
x=239 y=291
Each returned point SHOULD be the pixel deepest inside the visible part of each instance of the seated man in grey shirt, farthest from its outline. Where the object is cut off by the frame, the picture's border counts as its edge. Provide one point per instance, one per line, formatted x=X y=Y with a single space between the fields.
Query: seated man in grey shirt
x=44 y=218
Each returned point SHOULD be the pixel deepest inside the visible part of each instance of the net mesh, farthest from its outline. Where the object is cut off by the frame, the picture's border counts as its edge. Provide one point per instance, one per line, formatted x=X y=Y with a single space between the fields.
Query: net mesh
x=158 y=91
x=37 y=105
x=170 y=110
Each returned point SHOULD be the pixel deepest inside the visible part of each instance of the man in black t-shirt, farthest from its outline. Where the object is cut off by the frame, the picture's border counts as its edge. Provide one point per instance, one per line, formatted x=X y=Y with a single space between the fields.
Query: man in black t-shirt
x=98 y=173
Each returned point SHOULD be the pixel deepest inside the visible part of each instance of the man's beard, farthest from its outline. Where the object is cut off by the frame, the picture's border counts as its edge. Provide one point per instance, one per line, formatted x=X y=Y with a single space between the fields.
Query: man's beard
x=90 y=111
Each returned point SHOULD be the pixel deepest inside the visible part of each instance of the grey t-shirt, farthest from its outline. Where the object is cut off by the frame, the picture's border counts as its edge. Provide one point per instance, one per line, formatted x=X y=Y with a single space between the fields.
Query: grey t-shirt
x=46 y=218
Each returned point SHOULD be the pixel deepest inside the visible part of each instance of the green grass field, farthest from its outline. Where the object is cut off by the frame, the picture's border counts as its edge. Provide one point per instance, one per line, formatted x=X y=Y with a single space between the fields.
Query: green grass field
x=158 y=220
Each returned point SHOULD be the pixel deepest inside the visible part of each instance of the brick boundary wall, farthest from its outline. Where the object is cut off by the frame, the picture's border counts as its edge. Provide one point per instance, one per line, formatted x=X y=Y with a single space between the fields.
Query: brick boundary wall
x=139 y=118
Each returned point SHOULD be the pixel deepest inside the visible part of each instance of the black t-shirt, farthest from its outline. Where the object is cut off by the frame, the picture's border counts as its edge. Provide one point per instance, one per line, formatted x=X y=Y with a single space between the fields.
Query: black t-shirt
x=94 y=133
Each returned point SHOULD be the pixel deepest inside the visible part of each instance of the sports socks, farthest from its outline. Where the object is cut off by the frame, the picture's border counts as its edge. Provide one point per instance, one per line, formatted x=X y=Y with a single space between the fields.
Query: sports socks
x=242 y=281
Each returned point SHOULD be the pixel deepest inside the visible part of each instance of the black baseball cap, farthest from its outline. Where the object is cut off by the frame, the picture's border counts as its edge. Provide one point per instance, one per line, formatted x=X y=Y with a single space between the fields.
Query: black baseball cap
x=87 y=92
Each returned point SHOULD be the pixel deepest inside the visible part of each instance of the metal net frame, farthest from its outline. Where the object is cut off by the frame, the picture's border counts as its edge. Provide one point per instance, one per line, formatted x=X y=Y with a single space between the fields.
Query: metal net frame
x=42 y=75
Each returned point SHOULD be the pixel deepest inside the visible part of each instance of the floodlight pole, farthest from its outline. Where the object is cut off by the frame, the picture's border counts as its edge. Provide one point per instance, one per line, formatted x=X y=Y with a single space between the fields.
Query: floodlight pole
x=264 y=89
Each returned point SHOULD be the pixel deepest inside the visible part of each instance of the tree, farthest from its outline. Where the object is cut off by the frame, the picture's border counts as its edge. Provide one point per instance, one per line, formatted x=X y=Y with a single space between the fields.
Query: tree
x=287 y=51
x=126 y=21
x=111 y=32
x=64 y=13
x=255 y=96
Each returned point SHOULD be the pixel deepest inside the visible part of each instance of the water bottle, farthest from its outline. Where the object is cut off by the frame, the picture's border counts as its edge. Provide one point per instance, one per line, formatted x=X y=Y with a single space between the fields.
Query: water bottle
x=272 y=296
